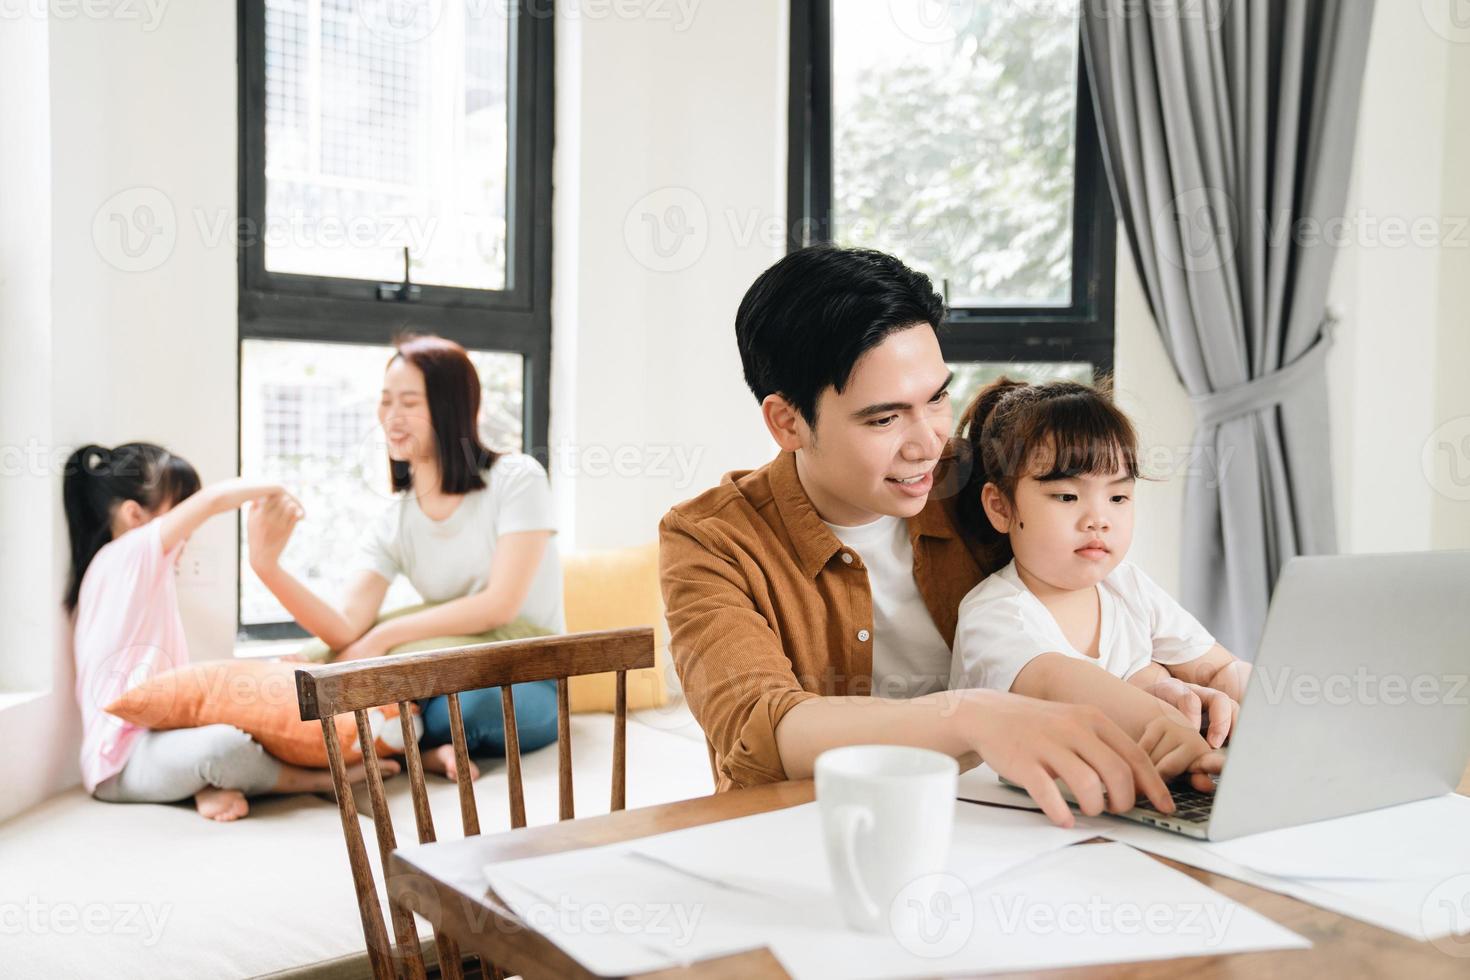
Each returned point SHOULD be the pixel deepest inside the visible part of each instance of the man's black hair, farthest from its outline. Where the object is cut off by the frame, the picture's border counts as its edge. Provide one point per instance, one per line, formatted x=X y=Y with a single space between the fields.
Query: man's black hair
x=809 y=318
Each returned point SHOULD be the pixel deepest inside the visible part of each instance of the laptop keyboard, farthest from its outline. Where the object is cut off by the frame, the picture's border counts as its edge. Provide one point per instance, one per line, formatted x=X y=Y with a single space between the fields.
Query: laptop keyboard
x=1189 y=804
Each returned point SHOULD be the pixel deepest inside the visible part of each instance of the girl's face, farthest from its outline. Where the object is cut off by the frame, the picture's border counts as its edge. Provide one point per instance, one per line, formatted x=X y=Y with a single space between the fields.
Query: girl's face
x=403 y=411
x=1070 y=533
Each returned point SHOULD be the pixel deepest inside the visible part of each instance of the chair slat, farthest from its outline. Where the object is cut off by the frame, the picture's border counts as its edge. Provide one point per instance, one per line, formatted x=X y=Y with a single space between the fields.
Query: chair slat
x=326 y=691
x=563 y=751
x=329 y=689
x=404 y=931
x=468 y=814
x=368 y=908
x=513 y=759
x=423 y=817
x=620 y=743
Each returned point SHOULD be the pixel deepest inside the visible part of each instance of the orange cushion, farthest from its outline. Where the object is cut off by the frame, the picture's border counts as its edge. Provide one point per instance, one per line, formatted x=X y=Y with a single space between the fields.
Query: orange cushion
x=259 y=698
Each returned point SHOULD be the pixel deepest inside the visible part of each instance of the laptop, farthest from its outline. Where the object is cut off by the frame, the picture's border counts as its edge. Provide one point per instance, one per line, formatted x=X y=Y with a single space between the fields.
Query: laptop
x=1359 y=698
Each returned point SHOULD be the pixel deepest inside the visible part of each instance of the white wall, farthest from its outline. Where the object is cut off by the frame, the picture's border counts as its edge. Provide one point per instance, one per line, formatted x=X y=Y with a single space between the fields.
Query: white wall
x=141 y=116
x=672 y=127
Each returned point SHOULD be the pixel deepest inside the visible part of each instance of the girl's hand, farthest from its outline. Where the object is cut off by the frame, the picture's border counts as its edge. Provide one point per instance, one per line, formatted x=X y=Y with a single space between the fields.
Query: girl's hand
x=268 y=528
x=1231 y=679
x=1176 y=748
x=1194 y=701
x=373 y=643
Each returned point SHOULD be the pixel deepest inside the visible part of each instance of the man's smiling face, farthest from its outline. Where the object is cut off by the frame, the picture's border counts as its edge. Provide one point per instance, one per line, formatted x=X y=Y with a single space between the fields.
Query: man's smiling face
x=875 y=444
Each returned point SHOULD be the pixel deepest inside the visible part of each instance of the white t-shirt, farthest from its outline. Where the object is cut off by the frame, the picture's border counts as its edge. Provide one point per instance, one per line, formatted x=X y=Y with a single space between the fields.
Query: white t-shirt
x=910 y=657
x=450 y=559
x=1003 y=626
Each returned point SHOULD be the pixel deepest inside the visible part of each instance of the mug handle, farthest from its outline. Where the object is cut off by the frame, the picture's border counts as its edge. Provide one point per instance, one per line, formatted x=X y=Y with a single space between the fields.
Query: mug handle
x=851 y=821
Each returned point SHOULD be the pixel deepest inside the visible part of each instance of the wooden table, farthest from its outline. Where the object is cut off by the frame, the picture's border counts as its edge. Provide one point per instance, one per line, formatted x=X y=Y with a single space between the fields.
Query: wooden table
x=444 y=883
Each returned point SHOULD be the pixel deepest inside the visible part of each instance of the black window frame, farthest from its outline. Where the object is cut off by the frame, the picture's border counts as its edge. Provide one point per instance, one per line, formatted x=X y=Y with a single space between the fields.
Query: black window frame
x=515 y=319
x=1081 y=331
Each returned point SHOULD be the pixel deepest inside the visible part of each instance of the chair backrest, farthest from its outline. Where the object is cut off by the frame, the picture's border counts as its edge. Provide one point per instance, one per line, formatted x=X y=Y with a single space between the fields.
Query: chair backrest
x=324 y=692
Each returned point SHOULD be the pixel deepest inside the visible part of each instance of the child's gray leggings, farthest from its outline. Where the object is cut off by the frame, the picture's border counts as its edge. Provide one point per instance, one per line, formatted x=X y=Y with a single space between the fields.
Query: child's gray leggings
x=168 y=766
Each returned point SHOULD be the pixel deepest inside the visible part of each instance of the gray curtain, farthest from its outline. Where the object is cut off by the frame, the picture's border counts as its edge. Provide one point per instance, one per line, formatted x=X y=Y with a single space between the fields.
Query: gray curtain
x=1227 y=128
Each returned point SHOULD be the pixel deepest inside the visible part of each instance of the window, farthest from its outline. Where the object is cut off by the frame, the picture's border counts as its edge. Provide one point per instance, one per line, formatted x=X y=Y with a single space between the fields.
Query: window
x=959 y=137
x=395 y=176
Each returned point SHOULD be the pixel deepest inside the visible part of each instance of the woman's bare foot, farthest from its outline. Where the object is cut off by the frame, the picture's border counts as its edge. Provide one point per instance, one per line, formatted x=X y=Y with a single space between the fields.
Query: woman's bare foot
x=440 y=759
x=223 y=805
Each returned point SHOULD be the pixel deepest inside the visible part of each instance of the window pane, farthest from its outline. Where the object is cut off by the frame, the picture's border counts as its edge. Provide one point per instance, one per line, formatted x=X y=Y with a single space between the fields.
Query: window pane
x=309 y=419
x=386 y=128
x=971 y=376
x=952 y=142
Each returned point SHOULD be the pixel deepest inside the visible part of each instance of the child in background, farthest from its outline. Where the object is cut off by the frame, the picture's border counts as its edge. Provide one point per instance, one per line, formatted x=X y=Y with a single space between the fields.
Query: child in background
x=1062 y=616
x=129 y=512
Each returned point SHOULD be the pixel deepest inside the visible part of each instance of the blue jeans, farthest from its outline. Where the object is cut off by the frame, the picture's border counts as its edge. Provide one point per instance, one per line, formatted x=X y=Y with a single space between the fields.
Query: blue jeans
x=484 y=723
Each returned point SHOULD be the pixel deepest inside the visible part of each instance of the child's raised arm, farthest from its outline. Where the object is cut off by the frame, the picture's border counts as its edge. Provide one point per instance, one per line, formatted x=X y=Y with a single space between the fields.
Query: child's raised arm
x=179 y=522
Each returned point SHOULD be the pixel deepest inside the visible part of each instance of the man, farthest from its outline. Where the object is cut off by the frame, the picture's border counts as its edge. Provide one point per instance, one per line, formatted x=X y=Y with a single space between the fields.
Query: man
x=812 y=602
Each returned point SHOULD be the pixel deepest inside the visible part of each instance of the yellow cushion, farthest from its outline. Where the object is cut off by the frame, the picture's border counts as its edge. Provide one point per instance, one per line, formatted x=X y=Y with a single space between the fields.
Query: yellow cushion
x=606 y=590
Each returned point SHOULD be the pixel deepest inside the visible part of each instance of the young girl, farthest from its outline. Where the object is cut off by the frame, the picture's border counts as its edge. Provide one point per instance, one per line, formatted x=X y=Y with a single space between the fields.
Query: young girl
x=1049 y=506
x=129 y=511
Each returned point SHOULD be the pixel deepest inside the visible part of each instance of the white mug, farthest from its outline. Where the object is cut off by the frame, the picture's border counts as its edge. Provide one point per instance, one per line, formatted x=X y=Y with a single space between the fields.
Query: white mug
x=887 y=819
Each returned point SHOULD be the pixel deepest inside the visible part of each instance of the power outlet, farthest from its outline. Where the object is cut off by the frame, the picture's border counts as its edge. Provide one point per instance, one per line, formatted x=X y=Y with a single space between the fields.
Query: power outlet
x=197 y=567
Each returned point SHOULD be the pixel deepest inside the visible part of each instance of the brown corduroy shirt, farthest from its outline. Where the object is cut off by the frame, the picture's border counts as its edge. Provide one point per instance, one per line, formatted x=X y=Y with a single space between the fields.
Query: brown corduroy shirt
x=766 y=610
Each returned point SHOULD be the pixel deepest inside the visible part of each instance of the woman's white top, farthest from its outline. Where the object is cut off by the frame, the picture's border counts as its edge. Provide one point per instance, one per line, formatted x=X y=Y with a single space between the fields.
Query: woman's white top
x=450 y=559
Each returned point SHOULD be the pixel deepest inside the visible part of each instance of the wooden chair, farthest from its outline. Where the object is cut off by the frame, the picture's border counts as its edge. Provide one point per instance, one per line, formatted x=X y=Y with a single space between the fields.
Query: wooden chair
x=327 y=691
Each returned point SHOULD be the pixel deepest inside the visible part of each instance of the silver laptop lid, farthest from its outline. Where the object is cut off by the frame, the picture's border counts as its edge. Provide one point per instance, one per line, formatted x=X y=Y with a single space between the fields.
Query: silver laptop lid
x=1360 y=694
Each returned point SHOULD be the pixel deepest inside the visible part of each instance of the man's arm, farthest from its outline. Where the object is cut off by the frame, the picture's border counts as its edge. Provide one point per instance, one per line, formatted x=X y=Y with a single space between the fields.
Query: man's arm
x=765 y=727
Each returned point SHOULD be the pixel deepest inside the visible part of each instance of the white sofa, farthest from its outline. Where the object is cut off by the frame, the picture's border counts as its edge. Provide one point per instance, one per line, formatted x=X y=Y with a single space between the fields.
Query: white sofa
x=94 y=889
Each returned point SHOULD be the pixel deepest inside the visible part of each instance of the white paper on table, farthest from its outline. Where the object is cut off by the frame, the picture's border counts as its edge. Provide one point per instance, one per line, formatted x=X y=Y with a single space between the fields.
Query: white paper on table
x=781 y=853
x=1101 y=903
x=1412 y=841
x=983 y=785
x=1428 y=908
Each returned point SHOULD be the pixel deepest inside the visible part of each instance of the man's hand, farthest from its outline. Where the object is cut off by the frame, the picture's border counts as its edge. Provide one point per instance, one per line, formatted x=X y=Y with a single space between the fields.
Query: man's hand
x=1194 y=700
x=1033 y=742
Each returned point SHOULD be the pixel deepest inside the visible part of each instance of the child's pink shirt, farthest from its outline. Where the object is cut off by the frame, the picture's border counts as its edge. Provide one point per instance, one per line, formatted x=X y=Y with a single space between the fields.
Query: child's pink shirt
x=127 y=631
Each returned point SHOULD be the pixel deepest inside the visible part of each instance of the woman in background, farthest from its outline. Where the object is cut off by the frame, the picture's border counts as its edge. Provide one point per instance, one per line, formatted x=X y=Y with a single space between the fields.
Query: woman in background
x=471 y=529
